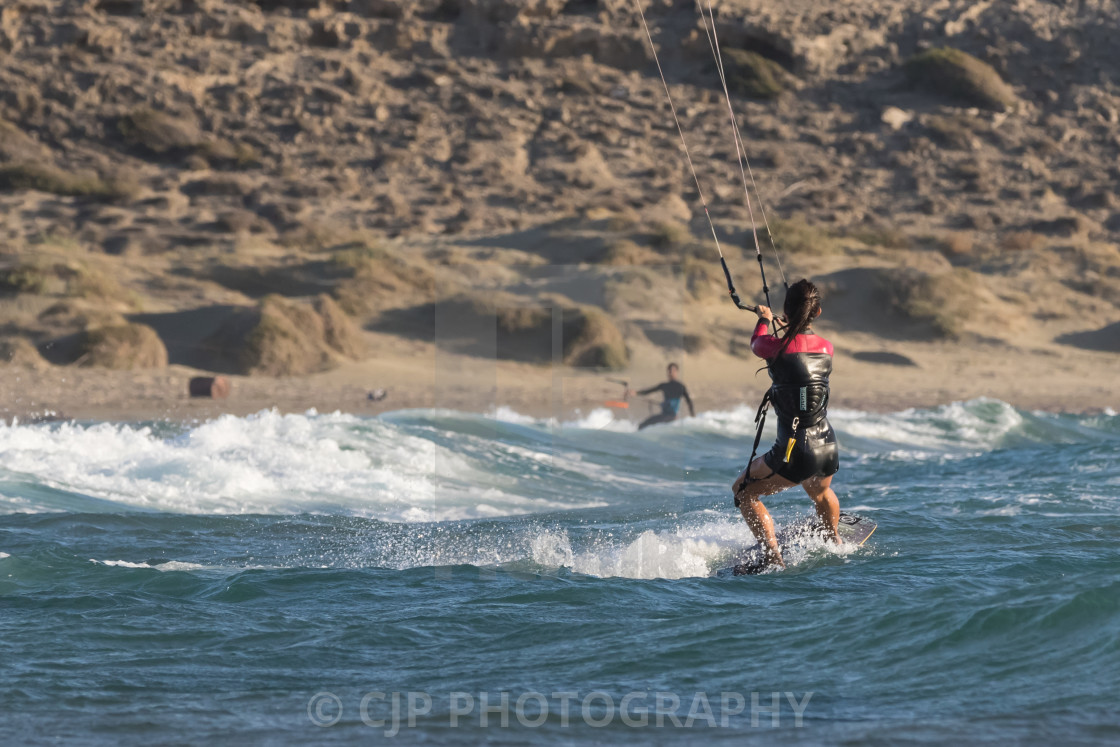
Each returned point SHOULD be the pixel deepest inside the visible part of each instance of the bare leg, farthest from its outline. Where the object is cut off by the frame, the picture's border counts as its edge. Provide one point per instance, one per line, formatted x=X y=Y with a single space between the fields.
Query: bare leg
x=755 y=514
x=828 y=507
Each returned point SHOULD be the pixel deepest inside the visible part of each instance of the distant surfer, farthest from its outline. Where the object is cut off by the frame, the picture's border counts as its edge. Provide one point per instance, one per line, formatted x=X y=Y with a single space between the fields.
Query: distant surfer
x=805 y=452
x=673 y=391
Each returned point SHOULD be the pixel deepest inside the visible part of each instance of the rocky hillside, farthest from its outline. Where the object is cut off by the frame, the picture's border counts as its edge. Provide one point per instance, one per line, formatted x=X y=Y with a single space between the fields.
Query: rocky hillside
x=165 y=156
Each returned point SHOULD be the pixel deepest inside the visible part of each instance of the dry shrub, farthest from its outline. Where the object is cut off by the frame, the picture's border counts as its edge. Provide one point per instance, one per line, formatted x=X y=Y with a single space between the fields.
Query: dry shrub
x=219 y=185
x=622 y=223
x=668 y=235
x=314 y=236
x=160 y=133
x=703 y=279
x=15 y=144
x=237 y=221
x=19 y=351
x=959 y=75
x=1021 y=241
x=46 y=178
x=520 y=319
x=91 y=284
x=943 y=300
x=339 y=331
x=796 y=236
x=751 y=74
x=70 y=313
x=958 y=244
x=886 y=237
x=41 y=276
x=288 y=338
x=369 y=276
x=221 y=152
x=577 y=84
x=123 y=346
x=950 y=132
x=623 y=252
x=591 y=340
x=695 y=343
x=1066 y=227
x=26 y=277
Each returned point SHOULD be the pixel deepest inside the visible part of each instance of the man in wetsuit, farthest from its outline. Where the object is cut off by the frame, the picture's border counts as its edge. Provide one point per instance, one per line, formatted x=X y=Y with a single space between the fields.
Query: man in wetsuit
x=673 y=391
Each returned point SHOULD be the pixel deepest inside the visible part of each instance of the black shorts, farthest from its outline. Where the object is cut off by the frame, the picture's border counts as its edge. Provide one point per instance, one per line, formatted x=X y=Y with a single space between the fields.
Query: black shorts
x=664 y=417
x=815 y=453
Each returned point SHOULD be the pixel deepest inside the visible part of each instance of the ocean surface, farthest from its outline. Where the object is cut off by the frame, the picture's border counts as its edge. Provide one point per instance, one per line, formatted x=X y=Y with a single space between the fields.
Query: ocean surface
x=447 y=578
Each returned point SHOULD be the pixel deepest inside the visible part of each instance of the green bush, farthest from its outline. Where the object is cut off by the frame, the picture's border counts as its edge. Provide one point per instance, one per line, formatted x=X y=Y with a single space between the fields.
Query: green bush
x=959 y=75
x=25 y=278
x=751 y=74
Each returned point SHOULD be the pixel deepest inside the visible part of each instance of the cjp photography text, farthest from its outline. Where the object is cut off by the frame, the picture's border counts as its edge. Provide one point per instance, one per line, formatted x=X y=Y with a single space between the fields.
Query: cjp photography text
x=393 y=711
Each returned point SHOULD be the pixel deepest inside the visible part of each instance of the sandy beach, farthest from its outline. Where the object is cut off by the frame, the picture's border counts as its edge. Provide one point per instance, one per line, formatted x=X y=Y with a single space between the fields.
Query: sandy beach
x=416 y=375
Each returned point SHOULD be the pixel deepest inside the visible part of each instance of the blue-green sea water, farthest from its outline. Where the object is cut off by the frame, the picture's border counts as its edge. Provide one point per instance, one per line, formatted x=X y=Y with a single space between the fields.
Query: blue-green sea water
x=277 y=579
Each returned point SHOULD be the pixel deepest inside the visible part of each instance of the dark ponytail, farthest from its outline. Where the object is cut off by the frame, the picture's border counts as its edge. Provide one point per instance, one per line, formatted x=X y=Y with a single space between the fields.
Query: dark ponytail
x=803 y=302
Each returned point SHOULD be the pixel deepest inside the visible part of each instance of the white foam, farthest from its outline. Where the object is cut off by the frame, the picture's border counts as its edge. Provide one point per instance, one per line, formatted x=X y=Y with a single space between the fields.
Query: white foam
x=507 y=414
x=603 y=419
x=173 y=565
x=684 y=552
x=599 y=419
x=976 y=424
x=4 y=555
x=268 y=463
x=120 y=563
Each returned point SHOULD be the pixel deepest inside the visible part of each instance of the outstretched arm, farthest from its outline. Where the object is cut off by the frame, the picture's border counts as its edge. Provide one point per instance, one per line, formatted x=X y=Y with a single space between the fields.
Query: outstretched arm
x=691 y=410
x=651 y=390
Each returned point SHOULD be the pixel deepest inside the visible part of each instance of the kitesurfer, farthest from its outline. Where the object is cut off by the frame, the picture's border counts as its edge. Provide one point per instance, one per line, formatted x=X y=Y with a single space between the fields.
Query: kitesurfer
x=805 y=452
x=673 y=392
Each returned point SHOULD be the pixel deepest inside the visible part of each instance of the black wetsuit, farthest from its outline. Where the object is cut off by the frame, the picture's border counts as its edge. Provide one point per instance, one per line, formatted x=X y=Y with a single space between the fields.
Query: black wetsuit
x=674 y=392
x=799 y=395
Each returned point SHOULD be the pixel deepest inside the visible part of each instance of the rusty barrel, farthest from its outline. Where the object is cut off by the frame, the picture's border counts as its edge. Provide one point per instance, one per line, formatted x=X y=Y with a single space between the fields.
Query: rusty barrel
x=214 y=387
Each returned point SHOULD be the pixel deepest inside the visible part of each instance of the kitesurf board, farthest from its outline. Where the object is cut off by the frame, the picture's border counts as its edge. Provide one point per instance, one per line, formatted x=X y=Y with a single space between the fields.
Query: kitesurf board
x=853 y=530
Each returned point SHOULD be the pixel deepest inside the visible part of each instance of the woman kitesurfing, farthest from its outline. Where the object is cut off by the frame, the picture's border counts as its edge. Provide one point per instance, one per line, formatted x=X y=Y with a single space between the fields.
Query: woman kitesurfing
x=805 y=452
x=799 y=362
